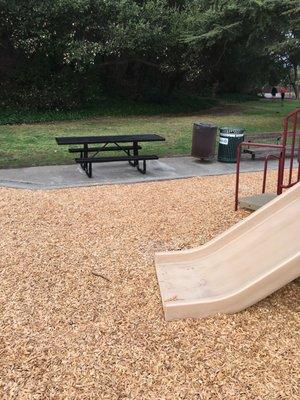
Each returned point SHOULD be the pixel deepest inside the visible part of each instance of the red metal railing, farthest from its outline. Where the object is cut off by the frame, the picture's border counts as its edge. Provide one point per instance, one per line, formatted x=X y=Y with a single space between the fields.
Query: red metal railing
x=288 y=141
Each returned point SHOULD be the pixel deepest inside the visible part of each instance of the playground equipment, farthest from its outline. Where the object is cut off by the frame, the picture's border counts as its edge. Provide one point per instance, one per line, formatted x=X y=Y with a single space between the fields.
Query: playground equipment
x=288 y=146
x=247 y=263
x=250 y=261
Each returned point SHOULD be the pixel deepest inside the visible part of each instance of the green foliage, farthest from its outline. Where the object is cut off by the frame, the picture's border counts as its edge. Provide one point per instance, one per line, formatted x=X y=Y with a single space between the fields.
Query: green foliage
x=110 y=107
x=66 y=54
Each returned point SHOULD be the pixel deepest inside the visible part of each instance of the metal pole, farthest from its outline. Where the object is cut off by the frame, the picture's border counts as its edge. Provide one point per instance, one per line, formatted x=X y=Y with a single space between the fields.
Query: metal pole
x=238 y=161
x=268 y=157
x=282 y=157
x=293 y=148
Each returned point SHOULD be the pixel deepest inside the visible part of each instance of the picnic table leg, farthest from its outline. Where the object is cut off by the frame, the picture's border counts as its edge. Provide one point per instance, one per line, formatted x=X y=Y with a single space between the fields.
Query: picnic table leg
x=135 y=153
x=142 y=170
x=82 y=152
x=89 y=170
x=87 y=166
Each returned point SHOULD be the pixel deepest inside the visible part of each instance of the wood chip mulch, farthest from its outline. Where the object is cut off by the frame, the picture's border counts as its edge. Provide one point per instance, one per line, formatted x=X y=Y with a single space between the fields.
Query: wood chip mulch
x=80 y=309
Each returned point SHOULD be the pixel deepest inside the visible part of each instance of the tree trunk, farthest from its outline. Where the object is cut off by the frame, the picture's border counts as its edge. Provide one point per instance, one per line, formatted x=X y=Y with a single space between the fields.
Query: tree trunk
x=293 y=80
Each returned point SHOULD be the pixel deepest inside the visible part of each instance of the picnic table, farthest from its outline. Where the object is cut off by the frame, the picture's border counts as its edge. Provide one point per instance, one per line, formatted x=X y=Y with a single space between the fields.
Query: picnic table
x=92 y=147
x=266 y=138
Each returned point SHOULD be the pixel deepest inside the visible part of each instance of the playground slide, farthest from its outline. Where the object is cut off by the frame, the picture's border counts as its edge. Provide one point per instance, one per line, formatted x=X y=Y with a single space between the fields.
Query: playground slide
x=247 y=263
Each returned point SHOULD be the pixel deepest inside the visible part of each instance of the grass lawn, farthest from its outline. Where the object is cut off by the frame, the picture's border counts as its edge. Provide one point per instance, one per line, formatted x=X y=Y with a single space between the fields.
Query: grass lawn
x=34 y=144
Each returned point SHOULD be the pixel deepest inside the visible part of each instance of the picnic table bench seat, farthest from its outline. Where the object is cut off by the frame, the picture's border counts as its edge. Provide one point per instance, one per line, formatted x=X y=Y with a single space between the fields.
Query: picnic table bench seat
x=133 y=160
x=106 y=148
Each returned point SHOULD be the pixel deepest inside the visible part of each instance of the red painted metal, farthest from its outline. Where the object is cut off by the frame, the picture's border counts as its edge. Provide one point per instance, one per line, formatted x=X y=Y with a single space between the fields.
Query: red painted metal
x=268 y=157
x=291 y=119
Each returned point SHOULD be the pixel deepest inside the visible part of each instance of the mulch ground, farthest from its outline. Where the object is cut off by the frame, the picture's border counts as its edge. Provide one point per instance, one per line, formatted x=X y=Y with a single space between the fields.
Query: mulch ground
x=80 y=309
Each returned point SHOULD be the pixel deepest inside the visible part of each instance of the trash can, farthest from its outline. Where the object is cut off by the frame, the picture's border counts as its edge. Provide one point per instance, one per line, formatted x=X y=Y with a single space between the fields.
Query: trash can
x=229 y=140
x=204 y=140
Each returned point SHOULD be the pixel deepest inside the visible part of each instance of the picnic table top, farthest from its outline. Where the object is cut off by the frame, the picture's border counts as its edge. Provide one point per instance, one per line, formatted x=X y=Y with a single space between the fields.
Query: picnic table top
x=146 y=137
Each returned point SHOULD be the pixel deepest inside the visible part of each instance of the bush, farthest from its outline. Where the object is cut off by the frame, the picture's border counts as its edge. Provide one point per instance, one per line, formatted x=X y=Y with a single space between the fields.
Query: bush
x=108 y=107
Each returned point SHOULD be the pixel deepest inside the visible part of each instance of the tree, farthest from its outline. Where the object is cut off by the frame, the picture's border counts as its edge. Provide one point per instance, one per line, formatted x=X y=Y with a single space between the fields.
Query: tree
x=66 y=53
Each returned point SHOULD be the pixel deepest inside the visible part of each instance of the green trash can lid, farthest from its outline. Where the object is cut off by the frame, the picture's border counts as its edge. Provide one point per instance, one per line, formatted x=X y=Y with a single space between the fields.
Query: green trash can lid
x=231 y=132
x=228 y=129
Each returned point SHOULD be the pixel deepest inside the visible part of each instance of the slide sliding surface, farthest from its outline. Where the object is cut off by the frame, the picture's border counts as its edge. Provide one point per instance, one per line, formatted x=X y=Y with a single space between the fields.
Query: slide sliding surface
x=238 y=268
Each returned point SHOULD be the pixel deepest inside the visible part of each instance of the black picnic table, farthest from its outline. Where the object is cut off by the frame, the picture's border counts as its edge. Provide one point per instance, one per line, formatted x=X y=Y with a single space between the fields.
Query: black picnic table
x=128 y=144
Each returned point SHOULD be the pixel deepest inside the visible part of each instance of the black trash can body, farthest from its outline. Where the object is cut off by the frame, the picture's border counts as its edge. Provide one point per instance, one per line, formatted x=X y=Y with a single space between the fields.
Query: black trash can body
x=230 y=138
x=204 y=140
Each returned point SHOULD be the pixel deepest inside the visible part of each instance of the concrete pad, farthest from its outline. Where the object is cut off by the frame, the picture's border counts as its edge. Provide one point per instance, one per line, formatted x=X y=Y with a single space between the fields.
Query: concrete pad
x=253 y=203
x=61 y=176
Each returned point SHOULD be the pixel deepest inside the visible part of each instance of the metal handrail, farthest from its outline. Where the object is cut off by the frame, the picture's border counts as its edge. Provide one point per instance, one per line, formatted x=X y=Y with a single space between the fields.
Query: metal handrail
x=238 y=163
x=268 y=157
x=293 y=118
